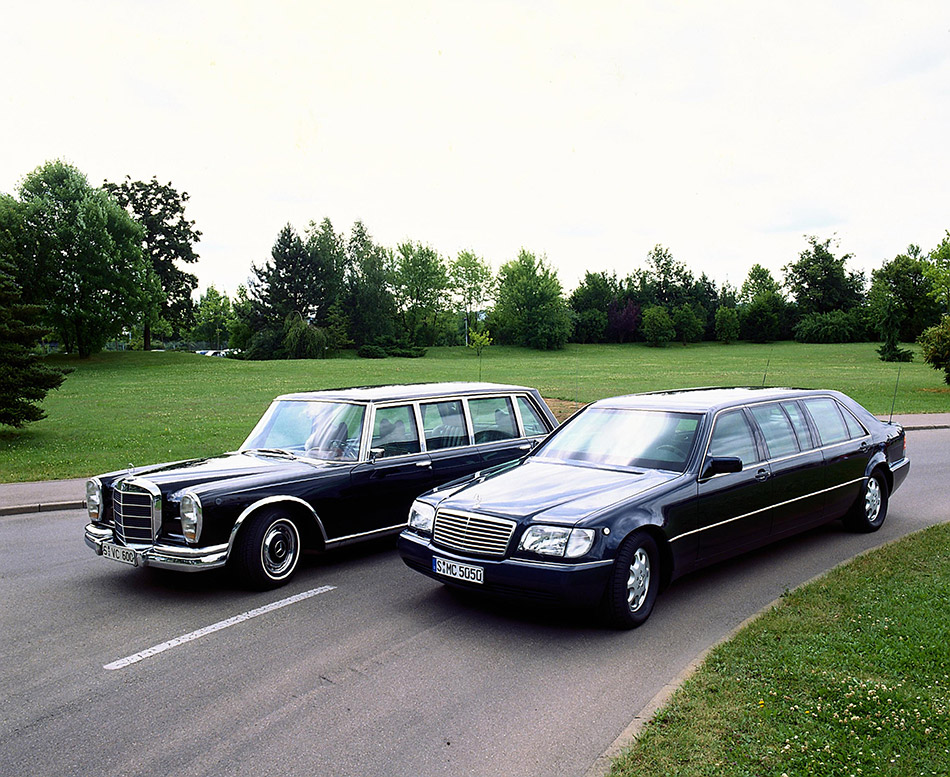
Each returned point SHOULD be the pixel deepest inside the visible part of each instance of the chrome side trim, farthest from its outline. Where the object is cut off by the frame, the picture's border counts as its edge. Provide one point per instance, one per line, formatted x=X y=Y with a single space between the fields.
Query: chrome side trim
x=770 y=507
x=350 y=538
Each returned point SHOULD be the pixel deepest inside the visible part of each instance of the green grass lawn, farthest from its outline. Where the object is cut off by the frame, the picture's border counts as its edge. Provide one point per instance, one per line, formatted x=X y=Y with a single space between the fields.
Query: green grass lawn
x=849 y=675
x=121 y=408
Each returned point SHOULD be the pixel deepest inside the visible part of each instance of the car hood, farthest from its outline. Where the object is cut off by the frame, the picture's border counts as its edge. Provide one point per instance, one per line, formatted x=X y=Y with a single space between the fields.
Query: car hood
x=553 y=492
x=251 y=467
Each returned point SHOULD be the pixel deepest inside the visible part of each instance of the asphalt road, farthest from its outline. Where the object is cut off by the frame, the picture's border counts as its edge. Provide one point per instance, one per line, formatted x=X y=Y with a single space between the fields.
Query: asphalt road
x=377 y=671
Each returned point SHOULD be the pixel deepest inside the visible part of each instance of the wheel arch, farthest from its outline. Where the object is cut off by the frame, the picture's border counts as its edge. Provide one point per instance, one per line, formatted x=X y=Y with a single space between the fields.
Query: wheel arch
x=313 y=534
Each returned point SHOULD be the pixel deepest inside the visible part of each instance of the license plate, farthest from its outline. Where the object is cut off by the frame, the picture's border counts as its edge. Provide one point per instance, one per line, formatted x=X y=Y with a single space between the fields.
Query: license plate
x=453 y=569
x=118 y=553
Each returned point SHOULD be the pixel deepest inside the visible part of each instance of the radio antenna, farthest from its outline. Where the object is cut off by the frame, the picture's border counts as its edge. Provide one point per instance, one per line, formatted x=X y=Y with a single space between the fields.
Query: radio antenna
x=894 y=400
x=767 y=363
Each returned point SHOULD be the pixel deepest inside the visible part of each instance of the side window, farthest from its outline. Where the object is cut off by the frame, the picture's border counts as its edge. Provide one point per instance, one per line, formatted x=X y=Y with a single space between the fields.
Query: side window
x=779 y=435
x=394 y=430
x=827 y=418
x=444 y=425
x=733 y=437
x=533 y=422
x=799 y=424
x=855 y=430
x=492 y=419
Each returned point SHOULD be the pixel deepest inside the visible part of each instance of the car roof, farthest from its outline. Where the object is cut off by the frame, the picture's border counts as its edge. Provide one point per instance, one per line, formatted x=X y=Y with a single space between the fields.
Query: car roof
x=406 y=391
x=703 y=400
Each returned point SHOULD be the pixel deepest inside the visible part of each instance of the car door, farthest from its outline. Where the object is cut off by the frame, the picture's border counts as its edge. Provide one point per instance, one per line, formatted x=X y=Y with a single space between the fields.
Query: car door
x=845 y=448
x=495 y=430
x=382 y=488
x=795 y=465
x=448 y=441
x=733 y=508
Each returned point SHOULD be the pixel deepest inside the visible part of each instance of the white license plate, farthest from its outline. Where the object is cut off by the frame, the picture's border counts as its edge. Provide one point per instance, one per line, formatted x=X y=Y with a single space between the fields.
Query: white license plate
x=453 y=569
x=118 y=553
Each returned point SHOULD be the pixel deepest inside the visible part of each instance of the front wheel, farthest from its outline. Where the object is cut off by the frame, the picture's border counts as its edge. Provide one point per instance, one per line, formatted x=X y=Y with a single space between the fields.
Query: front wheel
x=634 y=582
x=268 y=550
x=870 y=508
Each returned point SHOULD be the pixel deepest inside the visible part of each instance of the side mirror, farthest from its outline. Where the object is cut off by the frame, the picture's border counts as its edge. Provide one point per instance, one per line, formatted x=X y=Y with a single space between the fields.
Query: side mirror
x=720 y=465
x=376 y=453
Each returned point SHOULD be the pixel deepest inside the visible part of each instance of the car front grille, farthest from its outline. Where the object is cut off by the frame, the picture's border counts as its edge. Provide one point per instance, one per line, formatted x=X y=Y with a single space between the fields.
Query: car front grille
x=469 y=533
x=136 y=511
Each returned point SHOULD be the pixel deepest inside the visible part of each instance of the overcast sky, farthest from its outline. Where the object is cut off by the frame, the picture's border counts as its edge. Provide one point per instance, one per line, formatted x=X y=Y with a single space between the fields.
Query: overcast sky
x=585 y=131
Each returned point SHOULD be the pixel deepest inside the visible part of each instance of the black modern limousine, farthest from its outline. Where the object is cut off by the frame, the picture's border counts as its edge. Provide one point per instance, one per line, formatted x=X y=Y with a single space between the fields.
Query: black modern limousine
x=321 y=469
x=634 y=491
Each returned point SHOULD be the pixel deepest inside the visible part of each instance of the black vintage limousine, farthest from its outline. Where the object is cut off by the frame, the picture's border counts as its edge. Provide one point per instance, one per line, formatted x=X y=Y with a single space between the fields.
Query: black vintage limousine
x=321 y=469
x=634 y=491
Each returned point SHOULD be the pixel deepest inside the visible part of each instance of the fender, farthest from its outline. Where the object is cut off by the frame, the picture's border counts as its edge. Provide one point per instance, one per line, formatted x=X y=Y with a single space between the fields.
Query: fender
x=275 y=500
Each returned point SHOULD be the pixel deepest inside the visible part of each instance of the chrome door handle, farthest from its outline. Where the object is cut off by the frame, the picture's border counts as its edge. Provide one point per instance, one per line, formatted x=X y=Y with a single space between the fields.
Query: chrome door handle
x=762 y=475
x=423 y=463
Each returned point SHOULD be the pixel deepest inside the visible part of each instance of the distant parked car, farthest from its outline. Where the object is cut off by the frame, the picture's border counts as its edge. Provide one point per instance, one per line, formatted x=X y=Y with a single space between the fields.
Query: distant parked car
x=321 y=469
x=635 y=491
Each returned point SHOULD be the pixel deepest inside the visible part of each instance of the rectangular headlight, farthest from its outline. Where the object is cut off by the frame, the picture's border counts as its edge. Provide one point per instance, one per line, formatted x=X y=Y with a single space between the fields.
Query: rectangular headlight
x=557 y=541
x=421 y=517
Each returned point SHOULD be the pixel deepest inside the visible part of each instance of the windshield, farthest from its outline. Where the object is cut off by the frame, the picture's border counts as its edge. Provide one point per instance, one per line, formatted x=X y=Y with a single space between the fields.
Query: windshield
x=616 y=437
x=320 y=430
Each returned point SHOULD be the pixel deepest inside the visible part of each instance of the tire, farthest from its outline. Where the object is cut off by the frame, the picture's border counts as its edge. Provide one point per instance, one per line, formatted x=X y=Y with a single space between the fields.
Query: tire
x=634 y=582
x=869 y=510
x=268 y=550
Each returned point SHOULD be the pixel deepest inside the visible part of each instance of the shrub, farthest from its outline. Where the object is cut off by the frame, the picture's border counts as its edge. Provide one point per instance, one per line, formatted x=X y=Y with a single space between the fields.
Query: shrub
x=727 y=325
x=371 y=352
x=657 y=326
x=935 y=346
x=836 y=326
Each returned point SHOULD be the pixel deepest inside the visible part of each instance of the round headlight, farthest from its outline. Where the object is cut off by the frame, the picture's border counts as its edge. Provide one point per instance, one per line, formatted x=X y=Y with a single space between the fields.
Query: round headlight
x=421 y=517
x=94 y=498
x=191 y=517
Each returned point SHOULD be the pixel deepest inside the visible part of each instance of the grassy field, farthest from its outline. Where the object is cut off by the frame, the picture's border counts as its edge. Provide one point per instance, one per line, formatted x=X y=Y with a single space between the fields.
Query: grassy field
x=121 y=408
x=849 y=675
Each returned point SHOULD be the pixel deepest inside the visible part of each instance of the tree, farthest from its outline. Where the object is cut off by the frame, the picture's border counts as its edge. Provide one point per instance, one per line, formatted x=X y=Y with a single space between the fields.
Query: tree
x=666 y=281
x=937 y=270
x=214 y=318
x=935 y=347
x=727 y=325
x=282 y=285
x=760 y=318
x=478 y=342
x=689 y=329
x=84 y=260
x=369 y=300
x=421 y=281
x=623 y=320
x=759 y=281
x=819 y=282
x=902 y=291
x=470 y=279
x=657 y=327
x=25 y=378
x=530 y=309
x=327 y=252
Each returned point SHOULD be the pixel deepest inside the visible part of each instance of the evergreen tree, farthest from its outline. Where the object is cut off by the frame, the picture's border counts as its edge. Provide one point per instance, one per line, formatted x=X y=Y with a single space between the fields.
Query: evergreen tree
x=370 y=304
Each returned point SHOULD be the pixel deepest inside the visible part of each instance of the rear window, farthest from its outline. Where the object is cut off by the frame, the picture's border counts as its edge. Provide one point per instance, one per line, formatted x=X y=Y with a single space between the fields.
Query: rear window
x=831 y=427
x=777 y=429
x=492 y=419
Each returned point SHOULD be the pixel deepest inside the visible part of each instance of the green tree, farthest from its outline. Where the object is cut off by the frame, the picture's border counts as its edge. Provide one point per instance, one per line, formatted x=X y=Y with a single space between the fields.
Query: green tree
x=902 y=291
x=421 y=282
x=327 y=270
x=25 y=378
x=759 y=281
x=657 y=326
x=84 y=261
x=666 y=281
x=471 y=282
x=819 y=281
x=369 y=300
x=727 y=325
x=935 y=347
x=937 y=270
x=689 y=329
x=169 y=238
x=530 y=309
x=761 y=321
x=214 y=318
x=478 y=342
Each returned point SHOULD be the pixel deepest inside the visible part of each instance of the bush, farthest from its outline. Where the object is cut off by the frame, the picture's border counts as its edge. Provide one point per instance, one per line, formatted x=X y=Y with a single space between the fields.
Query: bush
x=688 y=327
x=836 y=326
x=760 y=319
x=935 y=346
x=371 y=352
x=727 y=325
x=657 y=326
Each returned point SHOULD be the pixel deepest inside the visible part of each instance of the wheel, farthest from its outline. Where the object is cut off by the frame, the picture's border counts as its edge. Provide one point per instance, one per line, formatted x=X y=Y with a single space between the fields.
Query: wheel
x=634 y=582
x=869 y=510
x=268 y=550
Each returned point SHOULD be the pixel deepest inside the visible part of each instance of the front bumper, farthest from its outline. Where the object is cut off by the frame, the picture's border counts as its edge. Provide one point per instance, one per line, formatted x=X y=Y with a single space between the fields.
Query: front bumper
x=161 y=556
x=582 y=583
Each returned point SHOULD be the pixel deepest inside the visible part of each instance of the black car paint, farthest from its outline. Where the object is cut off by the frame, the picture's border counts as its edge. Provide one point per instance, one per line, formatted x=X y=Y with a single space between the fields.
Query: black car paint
x=695 y=520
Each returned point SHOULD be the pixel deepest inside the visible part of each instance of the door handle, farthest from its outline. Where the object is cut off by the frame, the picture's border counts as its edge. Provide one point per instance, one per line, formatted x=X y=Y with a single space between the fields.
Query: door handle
x=762 y=475
x=424 y=464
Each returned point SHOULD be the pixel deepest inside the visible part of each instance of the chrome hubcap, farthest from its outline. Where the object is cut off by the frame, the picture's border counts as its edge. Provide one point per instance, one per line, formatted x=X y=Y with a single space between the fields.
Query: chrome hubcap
x=638 y=580
x=279 y=548
x=872 y=500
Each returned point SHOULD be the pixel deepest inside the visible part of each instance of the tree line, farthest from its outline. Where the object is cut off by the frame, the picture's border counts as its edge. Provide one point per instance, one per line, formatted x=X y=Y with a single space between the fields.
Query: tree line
x=87 y=265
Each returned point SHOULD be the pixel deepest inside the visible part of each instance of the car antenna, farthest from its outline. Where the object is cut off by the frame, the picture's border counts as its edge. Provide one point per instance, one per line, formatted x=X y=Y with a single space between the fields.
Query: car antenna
x=894 y=400
x=767 y=363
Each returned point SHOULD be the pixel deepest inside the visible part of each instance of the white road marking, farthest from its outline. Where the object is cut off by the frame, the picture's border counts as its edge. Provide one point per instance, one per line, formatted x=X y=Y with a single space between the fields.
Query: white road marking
x=192 y=636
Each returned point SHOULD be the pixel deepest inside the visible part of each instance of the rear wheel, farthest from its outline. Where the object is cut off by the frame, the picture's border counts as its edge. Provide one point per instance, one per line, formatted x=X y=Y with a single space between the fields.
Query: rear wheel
x=634 y=582
x=869 y=510
x=268 y=550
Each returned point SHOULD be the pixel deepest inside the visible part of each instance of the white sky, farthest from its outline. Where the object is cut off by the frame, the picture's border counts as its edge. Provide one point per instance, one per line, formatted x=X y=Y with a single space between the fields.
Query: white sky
x=586 y=131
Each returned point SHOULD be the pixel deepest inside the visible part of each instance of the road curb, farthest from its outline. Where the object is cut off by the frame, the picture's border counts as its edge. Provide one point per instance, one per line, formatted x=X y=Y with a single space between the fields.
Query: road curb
x=45 y=507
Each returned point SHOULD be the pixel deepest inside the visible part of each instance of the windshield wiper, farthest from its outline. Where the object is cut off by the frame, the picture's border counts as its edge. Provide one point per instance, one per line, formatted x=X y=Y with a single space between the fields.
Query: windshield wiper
x=271 y=452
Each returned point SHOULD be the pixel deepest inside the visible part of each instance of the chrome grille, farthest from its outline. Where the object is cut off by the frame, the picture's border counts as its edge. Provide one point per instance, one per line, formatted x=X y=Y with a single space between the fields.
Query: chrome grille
x=471 y=533
x=136 y=512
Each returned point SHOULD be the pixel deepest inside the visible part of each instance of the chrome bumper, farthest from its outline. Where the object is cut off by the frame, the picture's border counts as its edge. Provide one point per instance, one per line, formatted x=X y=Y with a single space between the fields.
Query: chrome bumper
x=162 y=556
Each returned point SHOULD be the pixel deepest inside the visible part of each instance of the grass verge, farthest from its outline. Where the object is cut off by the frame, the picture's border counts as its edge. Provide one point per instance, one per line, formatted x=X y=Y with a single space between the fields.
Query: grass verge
x=849 y=675
x=136 y=407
